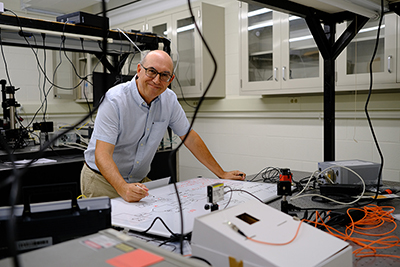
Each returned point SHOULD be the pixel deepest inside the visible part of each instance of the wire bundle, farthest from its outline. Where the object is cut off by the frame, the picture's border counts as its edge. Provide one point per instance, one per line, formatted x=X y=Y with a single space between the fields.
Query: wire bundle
x=375 y=217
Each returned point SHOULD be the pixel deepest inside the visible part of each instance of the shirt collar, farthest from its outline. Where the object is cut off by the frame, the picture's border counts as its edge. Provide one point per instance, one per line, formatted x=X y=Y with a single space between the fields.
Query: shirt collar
x=138 y=98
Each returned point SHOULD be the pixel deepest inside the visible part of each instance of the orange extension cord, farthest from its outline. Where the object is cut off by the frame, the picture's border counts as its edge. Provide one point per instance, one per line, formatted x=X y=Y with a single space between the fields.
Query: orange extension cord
x=277 y=244
x=375 y=217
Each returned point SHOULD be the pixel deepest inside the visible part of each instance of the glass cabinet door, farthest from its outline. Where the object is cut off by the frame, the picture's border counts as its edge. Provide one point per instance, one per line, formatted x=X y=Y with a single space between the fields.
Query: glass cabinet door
x=303 y=52
x=359 y=62
x=260 y=44
x=301 y=61
x=355 y=59
x=187 y=58
x=160 y=26
x=260 y=63
x=160 y=30
x=279 y=54
x=185 y=44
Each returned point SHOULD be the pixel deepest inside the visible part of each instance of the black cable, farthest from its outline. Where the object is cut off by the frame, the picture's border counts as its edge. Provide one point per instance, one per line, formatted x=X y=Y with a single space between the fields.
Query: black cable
x=183 y=95
x=173 y=153
x=44 y=87
x=252 y=180
x=42 y=70
x=4 y=59
x=165 y=243
x=26 y=40
x=36 y=56
x=367 y=102
x=202 y=259
x=86 y=79
x=268 y=175
x=151 y=226
x=17 y=174
x=244 y=191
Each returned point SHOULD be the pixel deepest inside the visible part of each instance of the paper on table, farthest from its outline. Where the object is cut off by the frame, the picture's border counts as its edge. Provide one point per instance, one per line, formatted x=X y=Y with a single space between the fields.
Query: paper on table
x=157 y=183
x=26 y=161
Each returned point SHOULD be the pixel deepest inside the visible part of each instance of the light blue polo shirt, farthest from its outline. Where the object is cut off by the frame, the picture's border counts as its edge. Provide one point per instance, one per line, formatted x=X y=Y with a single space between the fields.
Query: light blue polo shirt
x=125 y=120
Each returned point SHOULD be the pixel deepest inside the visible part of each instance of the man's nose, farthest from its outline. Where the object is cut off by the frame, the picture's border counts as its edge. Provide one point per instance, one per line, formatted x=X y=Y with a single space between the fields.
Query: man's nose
x=157 y=78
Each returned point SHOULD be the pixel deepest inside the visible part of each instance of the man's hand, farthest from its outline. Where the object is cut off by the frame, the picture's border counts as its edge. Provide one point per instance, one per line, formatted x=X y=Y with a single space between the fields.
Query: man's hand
x=234 y=175
x=134 y=192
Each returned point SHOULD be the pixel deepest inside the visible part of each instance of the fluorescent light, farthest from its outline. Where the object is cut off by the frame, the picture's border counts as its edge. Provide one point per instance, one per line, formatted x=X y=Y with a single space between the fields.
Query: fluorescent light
x=185 y=28
x=264 y=24
x=371 y=29
x=370 y=4
x=361 y=8
x=41 y=11
x=302 y=38
x=258 y=12
x=291 y=18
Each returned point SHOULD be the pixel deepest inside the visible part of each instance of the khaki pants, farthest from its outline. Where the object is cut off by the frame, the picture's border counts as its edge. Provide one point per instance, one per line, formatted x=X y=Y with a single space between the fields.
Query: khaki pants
x=95 y=185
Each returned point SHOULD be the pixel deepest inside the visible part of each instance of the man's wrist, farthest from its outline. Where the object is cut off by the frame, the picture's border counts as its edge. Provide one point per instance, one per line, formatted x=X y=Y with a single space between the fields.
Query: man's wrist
x=222 y=175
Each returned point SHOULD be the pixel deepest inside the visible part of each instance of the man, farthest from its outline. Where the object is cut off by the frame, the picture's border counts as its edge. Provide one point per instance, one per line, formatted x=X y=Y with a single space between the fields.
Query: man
x=130 y=123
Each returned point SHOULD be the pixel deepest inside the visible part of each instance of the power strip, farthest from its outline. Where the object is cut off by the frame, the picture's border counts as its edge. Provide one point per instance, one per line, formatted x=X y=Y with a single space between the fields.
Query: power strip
x=64 y=139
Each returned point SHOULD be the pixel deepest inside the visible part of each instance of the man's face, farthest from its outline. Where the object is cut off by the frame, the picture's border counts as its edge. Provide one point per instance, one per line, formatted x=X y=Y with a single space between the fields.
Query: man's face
x=150 y=88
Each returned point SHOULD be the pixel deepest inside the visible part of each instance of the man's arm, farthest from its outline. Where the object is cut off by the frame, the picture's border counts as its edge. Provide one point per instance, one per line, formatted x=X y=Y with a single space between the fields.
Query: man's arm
x=199 y=149
x=130 y=192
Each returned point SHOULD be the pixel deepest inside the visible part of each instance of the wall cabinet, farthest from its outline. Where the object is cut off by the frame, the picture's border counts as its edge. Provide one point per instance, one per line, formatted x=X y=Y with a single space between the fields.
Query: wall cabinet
x=193 y=64
x=354 y=62
x=279 y=54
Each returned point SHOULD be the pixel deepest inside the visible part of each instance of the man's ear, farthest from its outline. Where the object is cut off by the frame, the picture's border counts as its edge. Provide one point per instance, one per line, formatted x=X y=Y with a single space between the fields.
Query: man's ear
x=138 y=69
x=170 y=81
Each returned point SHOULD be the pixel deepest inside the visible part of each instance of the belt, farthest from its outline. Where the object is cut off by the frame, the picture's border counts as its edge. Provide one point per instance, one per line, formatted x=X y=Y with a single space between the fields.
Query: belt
x=96 y=171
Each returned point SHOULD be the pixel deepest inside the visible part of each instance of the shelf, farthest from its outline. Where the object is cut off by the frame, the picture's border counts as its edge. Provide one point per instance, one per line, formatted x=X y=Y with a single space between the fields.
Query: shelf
x=76 y=36
x=261 y=53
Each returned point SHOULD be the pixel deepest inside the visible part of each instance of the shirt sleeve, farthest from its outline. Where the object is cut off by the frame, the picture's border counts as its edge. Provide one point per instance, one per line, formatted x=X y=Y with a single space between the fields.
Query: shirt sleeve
x=179 y=122
x=107 y=122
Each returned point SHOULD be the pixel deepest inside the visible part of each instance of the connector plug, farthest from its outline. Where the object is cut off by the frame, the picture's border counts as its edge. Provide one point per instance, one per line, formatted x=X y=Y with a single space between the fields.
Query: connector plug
x=235 y=228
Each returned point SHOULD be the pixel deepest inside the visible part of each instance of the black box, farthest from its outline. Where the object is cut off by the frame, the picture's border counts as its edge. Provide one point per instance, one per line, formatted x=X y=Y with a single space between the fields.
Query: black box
x=47 y=126
x=83 y=18
x=50 y=223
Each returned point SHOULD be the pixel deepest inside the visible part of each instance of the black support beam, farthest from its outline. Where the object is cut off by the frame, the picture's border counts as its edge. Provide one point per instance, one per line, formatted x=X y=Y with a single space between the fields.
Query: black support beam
x=330 y=49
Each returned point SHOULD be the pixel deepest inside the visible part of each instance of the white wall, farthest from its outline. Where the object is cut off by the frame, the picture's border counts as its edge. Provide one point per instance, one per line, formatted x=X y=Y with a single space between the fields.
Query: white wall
x=251 y=144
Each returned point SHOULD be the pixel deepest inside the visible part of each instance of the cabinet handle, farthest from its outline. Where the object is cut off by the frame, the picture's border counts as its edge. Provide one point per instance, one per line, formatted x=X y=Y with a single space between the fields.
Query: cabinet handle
x=283 y=73
x=276 y=74
x=390 y=64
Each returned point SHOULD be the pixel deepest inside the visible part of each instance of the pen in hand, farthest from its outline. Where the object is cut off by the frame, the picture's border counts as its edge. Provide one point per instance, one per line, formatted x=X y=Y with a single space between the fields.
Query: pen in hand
x=143 y=188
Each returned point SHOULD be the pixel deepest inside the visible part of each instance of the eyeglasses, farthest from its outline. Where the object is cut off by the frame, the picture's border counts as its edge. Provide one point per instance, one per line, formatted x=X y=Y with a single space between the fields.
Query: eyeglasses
x=152 y=73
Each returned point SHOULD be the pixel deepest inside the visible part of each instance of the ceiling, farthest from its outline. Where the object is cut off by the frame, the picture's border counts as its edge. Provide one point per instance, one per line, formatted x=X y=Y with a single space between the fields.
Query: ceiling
x=56 y=7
